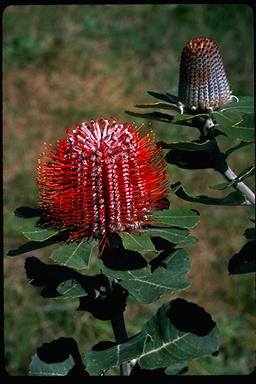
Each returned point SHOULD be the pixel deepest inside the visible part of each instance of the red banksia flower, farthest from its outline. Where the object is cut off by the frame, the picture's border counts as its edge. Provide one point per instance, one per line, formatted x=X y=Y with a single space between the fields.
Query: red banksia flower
x=104 y=177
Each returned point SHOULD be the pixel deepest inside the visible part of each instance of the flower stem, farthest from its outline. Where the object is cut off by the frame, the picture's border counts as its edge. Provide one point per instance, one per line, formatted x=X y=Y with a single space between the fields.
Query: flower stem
x=119 y=331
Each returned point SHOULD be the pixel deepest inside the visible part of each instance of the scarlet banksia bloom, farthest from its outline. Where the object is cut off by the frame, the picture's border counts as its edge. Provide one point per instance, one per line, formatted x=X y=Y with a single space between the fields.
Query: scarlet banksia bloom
x=104 y=177
x=203 y=84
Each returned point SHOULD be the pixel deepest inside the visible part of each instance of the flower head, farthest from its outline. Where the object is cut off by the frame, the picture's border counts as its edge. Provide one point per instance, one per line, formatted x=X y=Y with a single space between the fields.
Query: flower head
x=203 y=84
x=104 y=177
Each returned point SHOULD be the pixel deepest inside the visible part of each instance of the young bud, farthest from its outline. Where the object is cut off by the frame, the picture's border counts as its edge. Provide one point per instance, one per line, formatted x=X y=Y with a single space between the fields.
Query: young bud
x=203 y=84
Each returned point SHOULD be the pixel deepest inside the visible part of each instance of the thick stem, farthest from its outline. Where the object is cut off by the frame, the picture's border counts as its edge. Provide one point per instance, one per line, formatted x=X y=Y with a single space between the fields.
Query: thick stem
x=120 y=334
x=242 y=187
x=119 y=330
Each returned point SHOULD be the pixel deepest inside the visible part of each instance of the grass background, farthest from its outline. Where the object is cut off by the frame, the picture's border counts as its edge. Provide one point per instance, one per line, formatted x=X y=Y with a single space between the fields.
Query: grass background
x=67 y=63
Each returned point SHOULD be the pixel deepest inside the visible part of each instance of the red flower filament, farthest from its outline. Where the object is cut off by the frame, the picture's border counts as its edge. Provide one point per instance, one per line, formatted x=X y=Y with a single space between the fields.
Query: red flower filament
x=105 y=177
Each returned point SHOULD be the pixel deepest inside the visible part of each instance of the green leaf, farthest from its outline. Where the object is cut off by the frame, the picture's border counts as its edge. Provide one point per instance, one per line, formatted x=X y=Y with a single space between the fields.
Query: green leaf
x=75 y=254
x=40 y=234
x=168 y=96
x=227 y=119
x=187 y=242
x=40 y=368
x=32 y=245
x=161 y=343
x=147 y=287
x=185 y=118
x=99 y=361
x=171 y=107
x=176 y=368
x=251 y=214
x=250 y=171
x=139 y=242
x=71 y=289
x=168 y=344
x=174 y=235
x=237 y=146
x=233 y=125
x=179 y=217
x=137 y=274
x=158 y=116
x=234 y=198
x=245 y=104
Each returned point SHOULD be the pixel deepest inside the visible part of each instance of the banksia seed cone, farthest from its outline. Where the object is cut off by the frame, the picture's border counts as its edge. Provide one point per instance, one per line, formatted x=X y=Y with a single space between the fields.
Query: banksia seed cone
x=104 y=177
x=203 y=84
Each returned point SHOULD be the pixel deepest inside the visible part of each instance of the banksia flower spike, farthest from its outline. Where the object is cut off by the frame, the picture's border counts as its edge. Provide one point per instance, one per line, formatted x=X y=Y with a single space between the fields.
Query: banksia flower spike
x=203 y=84
x=104 y=177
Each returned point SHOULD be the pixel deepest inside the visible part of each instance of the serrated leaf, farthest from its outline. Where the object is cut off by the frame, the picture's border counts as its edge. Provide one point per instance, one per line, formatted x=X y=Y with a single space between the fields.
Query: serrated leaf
x=179 y=217
x=234 y=198
x=250 y=171
x=161 y=342
x=75 y=254
x=139 y=242
x=40 y=368
x=147 y=287
x=40 y=234
x=70 y=289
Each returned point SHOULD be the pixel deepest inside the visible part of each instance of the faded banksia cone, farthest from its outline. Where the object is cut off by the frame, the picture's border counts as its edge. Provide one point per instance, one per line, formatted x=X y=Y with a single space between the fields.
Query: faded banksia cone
x=104 y=177
x=203 y=84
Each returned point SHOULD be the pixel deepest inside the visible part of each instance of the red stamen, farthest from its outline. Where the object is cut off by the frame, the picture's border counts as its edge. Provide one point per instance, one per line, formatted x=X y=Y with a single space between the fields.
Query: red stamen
x=104 y=177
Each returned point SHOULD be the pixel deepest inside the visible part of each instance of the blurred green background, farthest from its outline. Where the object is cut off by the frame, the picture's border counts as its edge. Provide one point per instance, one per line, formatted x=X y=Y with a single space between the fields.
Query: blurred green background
x=67 y=63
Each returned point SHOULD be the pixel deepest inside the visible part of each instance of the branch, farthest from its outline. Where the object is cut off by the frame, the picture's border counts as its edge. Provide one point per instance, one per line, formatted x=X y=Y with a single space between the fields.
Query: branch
x=227 y=173
x=240 y=186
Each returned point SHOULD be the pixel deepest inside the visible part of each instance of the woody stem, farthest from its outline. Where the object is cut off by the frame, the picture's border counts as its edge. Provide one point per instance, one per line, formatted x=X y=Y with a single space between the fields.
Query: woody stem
x=221 y=164
x=119 y=330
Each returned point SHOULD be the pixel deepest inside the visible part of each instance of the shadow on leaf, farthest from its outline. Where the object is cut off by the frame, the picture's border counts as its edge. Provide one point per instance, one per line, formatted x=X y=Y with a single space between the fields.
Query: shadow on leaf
x=189 y=317
x=244 y=261
x=95 y=294
x=32 y=245
x=59 y=350
x=108 y=303
x=122 y=259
